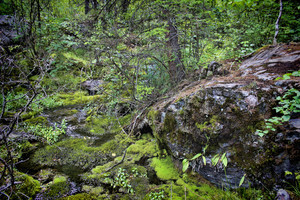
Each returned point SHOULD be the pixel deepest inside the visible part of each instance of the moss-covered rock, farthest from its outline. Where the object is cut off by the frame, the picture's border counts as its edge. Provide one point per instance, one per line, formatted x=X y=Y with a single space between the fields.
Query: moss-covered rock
x=76 y=152
x=81 y=196
x=102 y=124
x=30 y=186
x=165 y=168
x=37 y=120
x=77 y=98
x=222 y=115
x=93 y=190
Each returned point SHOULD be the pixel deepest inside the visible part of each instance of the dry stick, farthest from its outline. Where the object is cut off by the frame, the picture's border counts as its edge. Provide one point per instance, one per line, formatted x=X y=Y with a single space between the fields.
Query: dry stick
x=116 y=163
x=277 y=24
x=121 y=126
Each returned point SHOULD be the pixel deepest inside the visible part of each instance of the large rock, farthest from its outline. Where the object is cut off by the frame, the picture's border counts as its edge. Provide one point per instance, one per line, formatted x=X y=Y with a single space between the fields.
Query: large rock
x=92 y=86
x=224 y=113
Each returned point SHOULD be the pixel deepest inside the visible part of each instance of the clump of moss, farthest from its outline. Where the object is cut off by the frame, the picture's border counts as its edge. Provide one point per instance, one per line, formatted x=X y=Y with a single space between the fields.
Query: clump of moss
x=165 y=169
x=153 y=115
x=28 y=115
x=77 y=98
x=58 y=188
x=30 y=187
x=182 y=190
x=169 y=123
x=208 y=126
x=37 y=120
x=93 y=190
x=81 y=196
x=107 y=124
x=76 y=152
x=144 y=147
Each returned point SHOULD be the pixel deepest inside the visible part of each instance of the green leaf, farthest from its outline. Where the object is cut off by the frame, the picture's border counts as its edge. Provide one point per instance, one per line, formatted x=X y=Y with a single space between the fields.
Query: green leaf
x=242 y=180
x=296 y=73
x=223 y=156
x=185 y=165
x=286 y=76
x=204 y=160
x=286 y=118
x=288 y=173
x=196 y=156
x=215 y=160
x=225 y=161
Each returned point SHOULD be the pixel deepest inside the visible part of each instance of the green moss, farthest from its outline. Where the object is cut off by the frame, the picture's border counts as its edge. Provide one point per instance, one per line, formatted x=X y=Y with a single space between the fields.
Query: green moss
x=165 y=169
x=76 y=152
x=81 y=196
x=153 y=115
x=26 y=146
x=76 y=59
x=99 y=126
x=58 y=187
x=121 y=47
x=169 y=123
x=93 y=190
x=37 y=120
x=261 y=49
x=30 y=186
x=144 y=148
x=181 y=190
x=70 y=81
x=208 y=126
x=107 y=124
x=8 y=114
x=59 y=179
x=77 y=98
x=28 y=115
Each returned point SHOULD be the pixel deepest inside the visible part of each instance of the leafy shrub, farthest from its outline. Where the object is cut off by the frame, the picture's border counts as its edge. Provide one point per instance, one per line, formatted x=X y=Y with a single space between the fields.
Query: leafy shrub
x=289 y=103
x=50 y=134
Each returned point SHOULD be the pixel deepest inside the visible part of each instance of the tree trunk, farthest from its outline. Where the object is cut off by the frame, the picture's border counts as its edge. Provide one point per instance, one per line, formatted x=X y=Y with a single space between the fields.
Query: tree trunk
x=39 y=13
x=95 y=4
x=277 y=24
x=87 y=6
x=176 y=68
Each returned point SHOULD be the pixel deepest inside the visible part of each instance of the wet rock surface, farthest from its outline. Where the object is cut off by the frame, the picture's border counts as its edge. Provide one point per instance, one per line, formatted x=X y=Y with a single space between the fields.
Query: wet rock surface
x=225 y=112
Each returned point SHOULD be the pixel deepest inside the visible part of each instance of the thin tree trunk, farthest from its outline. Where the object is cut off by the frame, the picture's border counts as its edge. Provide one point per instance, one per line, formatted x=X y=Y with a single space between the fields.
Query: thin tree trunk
x=39 y=13
x=277 y=24
x=87 y=6
x=95 y=4
x=176 y=68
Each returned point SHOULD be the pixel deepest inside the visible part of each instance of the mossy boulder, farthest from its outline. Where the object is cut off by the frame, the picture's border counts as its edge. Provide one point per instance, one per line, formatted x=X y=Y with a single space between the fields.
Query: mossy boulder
x=29 y=186
x=76 y=152
x=222 y=115
x=59 y=187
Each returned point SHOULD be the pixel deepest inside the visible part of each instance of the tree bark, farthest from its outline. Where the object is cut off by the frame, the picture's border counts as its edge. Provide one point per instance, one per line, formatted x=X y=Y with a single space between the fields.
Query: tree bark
x=176 y=68
x=87 y=6
x=277 y=24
